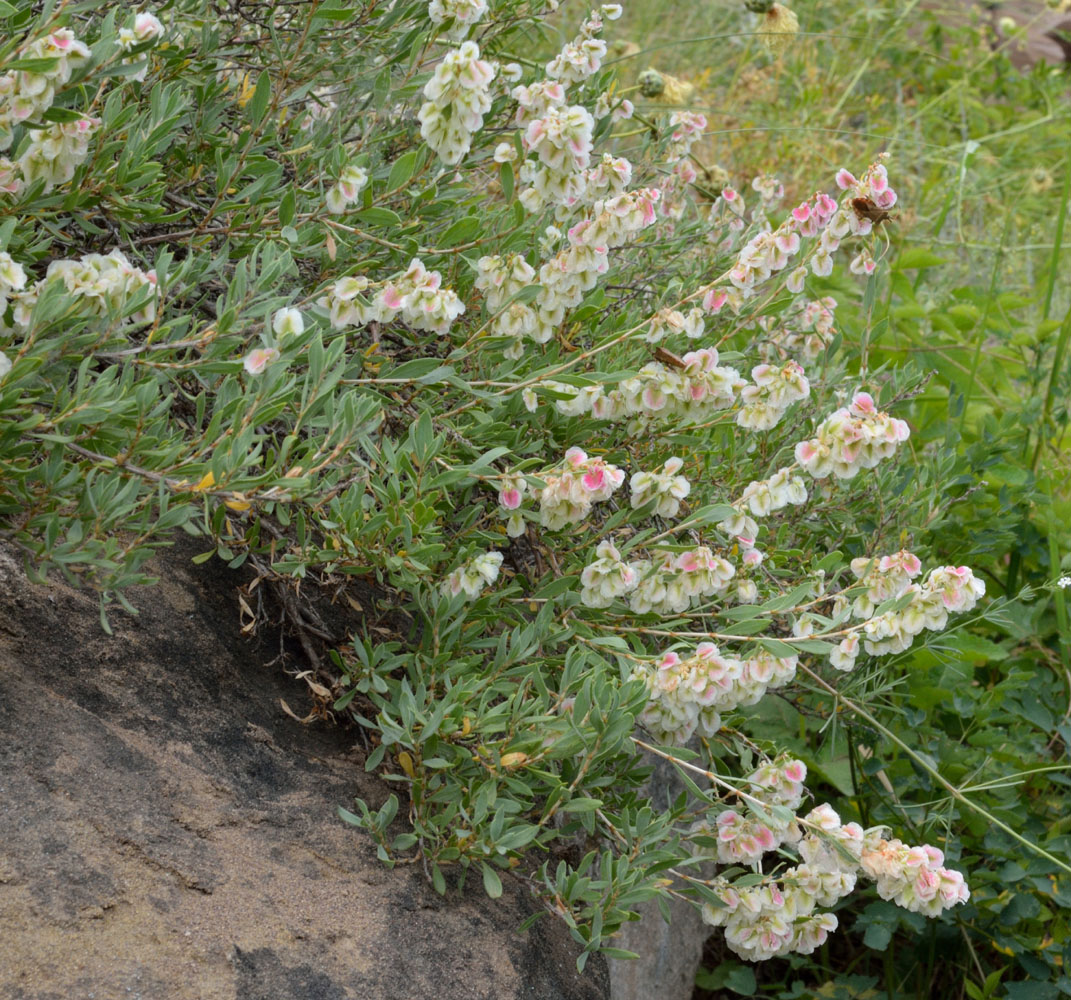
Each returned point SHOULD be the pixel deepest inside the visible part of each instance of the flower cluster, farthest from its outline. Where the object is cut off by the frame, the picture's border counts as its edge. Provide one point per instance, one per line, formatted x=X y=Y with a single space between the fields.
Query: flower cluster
x=582 y=57
x=668 y=584
x=919 y=607
x=607 y=578
x=56 y=151
x=764 y=496
x=416 y=295
x=912 y=877
x=147 y=28
x=345 y=192
x=24 y=94
x=565 y=277
x=805 y=327
x=560 y=135
x=500 y=279
x=456 y=98
x=763 y=404
x=461 y=12
x=854 y=437
x=685 y=128
x=742 y=836
x=689 y=394
x=570 y=493
x=666 y=488
x=672 y=322
x=779 y=916
x=100 y=283
x=947 y=589
x=470 y=578
x=689 y=693
x=12 y=279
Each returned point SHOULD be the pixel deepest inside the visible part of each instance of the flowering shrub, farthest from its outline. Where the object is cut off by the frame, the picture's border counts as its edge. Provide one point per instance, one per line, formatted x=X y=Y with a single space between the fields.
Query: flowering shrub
x=411 y=311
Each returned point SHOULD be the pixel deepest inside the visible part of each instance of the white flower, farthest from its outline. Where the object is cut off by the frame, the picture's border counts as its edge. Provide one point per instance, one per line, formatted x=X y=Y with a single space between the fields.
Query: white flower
x=288 y=322
x=258 y=359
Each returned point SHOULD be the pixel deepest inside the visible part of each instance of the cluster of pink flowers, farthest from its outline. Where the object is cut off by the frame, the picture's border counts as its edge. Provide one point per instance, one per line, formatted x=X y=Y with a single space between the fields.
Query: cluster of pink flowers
x=500 y=279
x=582 y=57
x=56 y=151
x=670 y=583
x=462 y=12
x=570 y=493
x=560 y=135
x=102 y=284
x=666 y=488
x=26 y=94
x=805 y=327
x=456 y=98
x=686 y=693
x=912 y=877
x=686 y=127
x=742 y=837
x=416 y=295
x=607 y=578
x=770 y=251
x=473 y=576
x=946 y=589
x=347 y=189
x=775 y=389
x=855 y=437
x=690 y=394
x=672 y=322
x=565 y=277
x=884 y=578
x=146 y=28
x=780 y=916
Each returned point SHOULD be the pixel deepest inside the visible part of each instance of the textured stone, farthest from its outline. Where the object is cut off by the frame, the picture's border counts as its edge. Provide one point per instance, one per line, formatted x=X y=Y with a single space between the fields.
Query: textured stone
x=166 y=830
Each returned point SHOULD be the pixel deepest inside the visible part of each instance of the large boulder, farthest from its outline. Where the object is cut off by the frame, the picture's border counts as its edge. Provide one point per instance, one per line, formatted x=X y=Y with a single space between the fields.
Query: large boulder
x=167 y=830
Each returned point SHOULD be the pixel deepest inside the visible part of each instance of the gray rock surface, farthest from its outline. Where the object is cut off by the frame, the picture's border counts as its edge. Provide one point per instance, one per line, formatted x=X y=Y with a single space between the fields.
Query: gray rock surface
x=167 y=831
x=670 y=953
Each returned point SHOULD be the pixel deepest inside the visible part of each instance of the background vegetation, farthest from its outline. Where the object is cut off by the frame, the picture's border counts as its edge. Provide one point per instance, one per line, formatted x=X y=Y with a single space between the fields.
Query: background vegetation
x=377 y=451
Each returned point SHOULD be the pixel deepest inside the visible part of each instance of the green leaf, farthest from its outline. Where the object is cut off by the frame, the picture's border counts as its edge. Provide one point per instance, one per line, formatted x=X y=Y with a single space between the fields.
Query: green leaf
x=258 y=103
x=402 y=169
x=491 y=882
x=918 y=258
x=379 y=217
x=462 y=231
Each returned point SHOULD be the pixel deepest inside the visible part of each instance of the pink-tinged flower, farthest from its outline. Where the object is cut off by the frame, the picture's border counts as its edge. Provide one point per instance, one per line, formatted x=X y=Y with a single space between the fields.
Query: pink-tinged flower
x=787 y=242
x=806 y=451
x=688 y=561
x=885 y=199
x=802 y=212
x=575 y=457
x=391 y=297
x=824 y=207
x=796 y=771
x=863 y=402
x=714 y=300
x=258 y=359
x=845 y=179
x=510 y=498
x=593 y=479
x=752 y=557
